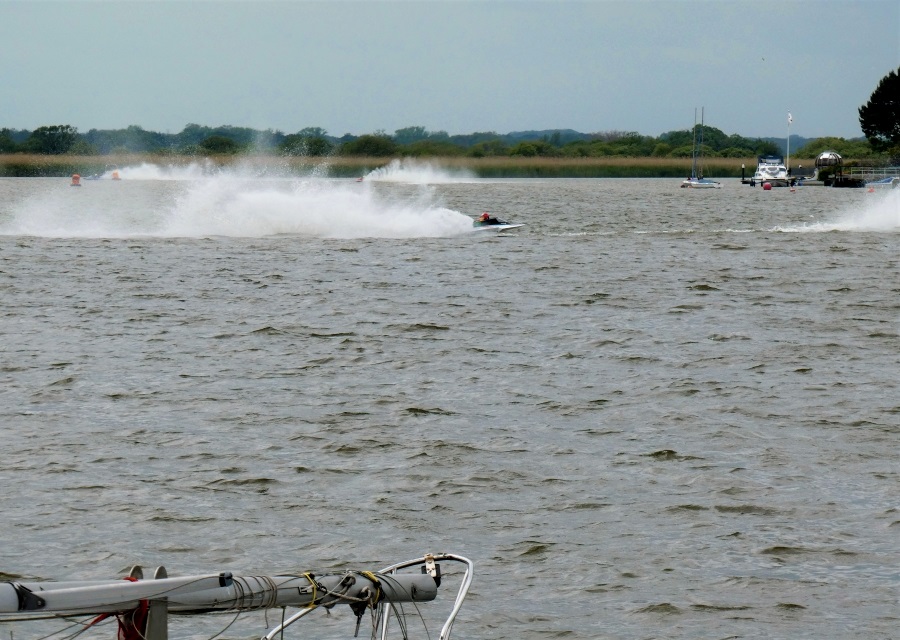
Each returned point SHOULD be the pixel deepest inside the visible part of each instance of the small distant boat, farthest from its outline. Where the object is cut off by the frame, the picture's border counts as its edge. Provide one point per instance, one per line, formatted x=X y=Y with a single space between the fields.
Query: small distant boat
x=697 y=181
x=700 y=183
x=888 y=181
x=489 y=223
x=142 y=607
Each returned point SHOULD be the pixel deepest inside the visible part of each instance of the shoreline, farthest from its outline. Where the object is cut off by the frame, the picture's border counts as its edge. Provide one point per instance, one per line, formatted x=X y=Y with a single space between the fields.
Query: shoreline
x=33 y=165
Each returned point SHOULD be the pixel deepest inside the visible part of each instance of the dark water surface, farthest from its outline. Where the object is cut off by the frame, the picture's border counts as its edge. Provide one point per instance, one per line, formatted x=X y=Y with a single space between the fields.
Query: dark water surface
x=649 y=413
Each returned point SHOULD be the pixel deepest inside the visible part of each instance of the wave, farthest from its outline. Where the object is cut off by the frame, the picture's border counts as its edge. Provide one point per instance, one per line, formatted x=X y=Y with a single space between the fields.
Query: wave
x=150 y=171
x=195 y=204
x=417 y=172
x=880 y=212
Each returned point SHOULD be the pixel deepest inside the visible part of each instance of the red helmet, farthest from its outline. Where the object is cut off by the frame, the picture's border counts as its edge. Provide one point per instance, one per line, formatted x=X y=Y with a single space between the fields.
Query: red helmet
x=485 y=216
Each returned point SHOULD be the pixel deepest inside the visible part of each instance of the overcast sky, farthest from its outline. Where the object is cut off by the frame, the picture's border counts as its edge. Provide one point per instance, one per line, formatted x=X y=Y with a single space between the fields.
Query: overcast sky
x=455 y=66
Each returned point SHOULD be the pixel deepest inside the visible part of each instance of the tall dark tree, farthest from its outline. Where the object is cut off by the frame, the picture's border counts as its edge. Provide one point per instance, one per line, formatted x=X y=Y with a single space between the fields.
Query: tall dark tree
x=52 y=140
x=7 y=144
x=880 y=116
x=408 y=135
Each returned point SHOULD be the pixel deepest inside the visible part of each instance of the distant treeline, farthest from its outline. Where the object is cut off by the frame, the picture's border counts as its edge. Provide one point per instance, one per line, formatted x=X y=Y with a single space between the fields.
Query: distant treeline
x=198 y=140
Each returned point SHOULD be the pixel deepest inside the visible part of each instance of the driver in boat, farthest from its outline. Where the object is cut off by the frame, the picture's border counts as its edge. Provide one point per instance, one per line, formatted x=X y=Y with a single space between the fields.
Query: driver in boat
x=487 y=219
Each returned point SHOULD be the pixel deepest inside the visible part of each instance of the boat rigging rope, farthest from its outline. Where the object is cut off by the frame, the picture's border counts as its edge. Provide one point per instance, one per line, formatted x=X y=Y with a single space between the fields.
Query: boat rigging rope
x=225 y=628
x=83 y=625
x=245 y=596
x=315 y=585
x=399 y=614
x=373 y=600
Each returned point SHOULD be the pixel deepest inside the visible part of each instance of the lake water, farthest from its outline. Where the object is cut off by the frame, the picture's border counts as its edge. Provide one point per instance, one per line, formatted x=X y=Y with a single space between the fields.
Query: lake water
x=648 y=413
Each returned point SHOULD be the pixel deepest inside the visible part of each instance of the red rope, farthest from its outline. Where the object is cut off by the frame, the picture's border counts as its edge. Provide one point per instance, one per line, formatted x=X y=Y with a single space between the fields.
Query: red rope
x=133 y=623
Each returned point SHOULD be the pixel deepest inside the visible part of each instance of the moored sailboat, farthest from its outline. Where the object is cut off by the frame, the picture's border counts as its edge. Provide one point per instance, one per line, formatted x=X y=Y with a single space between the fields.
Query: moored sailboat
x=697 y=181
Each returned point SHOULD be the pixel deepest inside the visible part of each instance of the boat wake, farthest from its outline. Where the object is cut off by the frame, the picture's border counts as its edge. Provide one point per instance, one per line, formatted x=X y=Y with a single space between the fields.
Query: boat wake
x=150 y=171
x=316 y=208
x=417 y=172
x=881 y=212
x=226 y=204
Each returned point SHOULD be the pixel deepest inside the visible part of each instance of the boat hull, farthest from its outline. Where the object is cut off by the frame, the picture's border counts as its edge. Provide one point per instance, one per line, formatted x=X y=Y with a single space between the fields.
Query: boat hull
x=701 y=183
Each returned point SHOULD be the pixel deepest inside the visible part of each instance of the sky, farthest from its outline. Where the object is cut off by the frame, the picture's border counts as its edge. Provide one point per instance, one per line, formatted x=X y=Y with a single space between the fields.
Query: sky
x=459 y=66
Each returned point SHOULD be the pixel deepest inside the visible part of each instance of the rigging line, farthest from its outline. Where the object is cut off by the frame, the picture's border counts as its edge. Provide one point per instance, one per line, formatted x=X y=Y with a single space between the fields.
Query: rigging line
x=85 y=626
x=271 y=591
x=400 y=616
x=221 y=631
x=372 y=604
x=267 y=594
x=315 y=586
x=397 y=609
x=71 y=635
x=133 y=613
x=75 y=634
x=340 y=595
x=73 y=624
x=266 y=618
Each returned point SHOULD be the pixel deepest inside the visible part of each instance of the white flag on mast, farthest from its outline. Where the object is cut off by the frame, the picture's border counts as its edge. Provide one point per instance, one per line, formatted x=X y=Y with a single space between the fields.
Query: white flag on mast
x=790 y=117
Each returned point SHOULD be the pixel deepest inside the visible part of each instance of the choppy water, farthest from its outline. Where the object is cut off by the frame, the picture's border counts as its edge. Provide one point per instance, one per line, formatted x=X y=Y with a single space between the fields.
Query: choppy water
x=649 y=413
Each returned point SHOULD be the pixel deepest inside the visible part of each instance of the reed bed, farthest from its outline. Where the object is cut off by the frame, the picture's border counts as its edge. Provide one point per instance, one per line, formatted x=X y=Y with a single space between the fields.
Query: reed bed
x=34 y=165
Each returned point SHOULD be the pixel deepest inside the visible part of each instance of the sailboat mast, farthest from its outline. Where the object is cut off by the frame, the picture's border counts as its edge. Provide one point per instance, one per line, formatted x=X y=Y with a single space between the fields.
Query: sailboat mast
x=788 y=165
x=694 y=147
x=700 y=148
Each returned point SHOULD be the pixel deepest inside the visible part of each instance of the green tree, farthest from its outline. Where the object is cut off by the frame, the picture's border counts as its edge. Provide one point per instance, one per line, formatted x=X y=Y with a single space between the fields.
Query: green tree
x=661 y=150
x=577 y=149
x=193 y=134
x=302 y=144
x=318 y=146
x=82 y=147
x=7 y=144
x=485 y=148
x=846 y=148
x=880 y=116
x=134 y=139
x=535 y=148
x=712 y=137
x=409 y=135
x=433 y=148
x=676 y=139
x=734 y=152
x=52 y=140
x=219 y=144
x=684 y=151
x=313 y=132
x=471 y=139
x=376 y=146
x=766 y=148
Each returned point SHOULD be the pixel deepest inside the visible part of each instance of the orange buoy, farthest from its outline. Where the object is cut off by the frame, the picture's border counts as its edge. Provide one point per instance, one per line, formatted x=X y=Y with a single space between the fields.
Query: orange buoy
x=76 y=180
x=115 y=174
